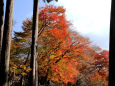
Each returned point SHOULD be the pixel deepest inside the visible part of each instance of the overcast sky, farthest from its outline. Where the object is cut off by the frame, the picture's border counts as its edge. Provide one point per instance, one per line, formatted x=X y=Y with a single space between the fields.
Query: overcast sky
x=89 y=17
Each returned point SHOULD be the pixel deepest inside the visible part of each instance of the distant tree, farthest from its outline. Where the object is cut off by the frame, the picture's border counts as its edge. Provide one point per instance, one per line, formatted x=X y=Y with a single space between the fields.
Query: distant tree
x=102 y=64
x=5 y=52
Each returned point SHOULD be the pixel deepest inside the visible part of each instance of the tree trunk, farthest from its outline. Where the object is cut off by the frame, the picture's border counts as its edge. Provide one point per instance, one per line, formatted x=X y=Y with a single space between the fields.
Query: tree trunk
x=5 y=52
x=112 y=45
x=36 y=65
x=34 y=44
x=1 y=23
x=21 y=81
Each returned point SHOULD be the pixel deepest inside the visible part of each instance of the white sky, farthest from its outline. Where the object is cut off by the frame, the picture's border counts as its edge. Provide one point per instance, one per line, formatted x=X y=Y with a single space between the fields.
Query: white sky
x=91 y=18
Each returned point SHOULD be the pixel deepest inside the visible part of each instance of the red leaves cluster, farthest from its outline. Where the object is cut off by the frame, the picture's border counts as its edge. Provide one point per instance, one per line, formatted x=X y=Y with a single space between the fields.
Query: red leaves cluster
x=102 y=57
x=59 y=34
x=54 y=16
x=64 y=71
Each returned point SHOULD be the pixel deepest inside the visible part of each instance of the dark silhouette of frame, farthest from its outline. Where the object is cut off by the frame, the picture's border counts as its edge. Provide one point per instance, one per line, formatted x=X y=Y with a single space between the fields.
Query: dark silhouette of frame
x=112 y=46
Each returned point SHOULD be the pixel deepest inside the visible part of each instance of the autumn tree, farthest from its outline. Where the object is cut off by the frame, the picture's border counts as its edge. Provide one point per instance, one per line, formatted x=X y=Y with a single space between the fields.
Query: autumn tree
x=54 y=18
x=55 y=37
x=94 y=65
x=20 y=57
x=64 y=56
x=99 y=70
x=28 y=25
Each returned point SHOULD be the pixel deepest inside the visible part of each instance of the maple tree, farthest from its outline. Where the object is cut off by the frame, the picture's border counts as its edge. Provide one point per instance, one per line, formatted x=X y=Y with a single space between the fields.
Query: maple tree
x=23 y=37
x=54 y=43
x=64 y=56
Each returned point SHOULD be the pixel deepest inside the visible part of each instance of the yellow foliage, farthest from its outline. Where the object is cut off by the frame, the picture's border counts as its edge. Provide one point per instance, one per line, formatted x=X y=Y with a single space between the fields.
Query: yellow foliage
x=52 y=56
x=14 y=67
x=23 y=73
x=28 y=69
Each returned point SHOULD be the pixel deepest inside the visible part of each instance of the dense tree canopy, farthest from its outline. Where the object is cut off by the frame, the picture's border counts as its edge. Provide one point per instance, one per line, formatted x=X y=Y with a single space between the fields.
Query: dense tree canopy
x=64 y=56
